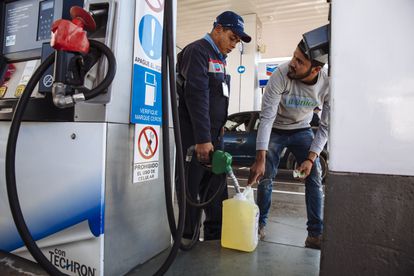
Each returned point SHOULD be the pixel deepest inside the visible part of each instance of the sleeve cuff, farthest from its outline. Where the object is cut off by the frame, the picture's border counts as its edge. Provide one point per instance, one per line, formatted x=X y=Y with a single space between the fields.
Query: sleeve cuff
x=262 y=146
x=316 y=149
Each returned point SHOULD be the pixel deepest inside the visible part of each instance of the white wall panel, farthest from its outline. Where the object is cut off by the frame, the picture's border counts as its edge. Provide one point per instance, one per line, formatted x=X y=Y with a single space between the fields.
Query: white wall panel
x=372 y=119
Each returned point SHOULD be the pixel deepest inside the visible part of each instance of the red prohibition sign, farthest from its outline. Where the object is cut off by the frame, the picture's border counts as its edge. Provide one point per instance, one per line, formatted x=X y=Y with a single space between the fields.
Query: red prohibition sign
x=151 y=146
x=156 y=8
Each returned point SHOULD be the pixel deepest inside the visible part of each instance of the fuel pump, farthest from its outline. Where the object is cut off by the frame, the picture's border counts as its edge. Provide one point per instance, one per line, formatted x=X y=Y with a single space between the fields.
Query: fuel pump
x=66 y=36
x=79 y=134
x=73 y=156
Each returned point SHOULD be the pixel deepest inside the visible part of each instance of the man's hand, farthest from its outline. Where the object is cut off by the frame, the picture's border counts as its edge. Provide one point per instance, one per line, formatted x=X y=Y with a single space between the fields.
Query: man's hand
x=307 y=165
x=203 y=151
x=305 y=168
x=257 y=170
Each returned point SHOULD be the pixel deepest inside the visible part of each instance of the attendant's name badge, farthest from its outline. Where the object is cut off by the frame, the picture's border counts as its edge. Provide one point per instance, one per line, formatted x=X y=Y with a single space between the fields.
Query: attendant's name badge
x=225 y=89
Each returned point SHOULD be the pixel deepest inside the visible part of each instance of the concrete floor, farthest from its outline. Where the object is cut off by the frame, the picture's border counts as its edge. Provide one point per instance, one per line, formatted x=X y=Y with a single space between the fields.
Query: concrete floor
x=12 y=265
x=281 y=253
x=209 y=258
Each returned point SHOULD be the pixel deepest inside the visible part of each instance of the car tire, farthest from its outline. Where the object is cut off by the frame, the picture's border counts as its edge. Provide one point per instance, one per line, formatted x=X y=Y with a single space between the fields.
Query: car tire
x=323 y=159
x=291 y=163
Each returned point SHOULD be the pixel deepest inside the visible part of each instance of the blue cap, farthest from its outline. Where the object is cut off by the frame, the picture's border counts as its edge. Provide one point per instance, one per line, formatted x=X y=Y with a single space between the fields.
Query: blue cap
x=234 y=22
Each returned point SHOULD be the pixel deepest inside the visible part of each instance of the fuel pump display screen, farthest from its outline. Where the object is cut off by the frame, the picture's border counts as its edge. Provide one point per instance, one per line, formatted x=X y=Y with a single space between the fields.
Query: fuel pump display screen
x=20 y=19
x=20 y=27
x=46 y=5
x=46 y=13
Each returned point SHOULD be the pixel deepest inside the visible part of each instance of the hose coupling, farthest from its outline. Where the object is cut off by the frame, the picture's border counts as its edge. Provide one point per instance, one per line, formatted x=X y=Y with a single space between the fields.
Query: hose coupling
x=61 y=100
x=78 y=97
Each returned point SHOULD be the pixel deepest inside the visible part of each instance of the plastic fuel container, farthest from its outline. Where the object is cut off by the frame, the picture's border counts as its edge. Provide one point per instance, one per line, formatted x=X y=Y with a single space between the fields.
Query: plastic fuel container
x=240 y=222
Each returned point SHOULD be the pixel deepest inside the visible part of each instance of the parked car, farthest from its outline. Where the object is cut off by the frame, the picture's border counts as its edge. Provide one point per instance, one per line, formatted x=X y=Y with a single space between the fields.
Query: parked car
x=240 y=141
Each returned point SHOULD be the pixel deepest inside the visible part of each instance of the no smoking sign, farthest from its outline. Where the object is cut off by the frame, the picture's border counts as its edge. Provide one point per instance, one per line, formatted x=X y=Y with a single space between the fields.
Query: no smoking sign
x=147 y=142
x=146 y=152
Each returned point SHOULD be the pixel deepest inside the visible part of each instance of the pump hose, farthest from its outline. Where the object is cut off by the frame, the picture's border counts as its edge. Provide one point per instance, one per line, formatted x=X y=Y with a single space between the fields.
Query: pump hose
x=168 y=53
x=184 y=196
x=11 y=150
x=166 y=141
x=11 y=173
x=110 y=75
x=204 y=203
x=196 y=233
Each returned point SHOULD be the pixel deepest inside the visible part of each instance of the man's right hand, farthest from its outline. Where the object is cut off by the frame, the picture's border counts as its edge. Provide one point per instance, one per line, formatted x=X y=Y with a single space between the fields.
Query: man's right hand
x=257 y=170
x=203 y=151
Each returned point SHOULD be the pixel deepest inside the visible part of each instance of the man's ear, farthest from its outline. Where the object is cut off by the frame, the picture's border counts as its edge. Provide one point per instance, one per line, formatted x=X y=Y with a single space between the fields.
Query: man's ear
x=219 y=28
x=317 y=69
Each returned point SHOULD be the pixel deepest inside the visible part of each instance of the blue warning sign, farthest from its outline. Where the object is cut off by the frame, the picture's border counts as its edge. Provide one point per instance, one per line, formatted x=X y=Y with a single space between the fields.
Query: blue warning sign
x=150 y=36
x=241 y=69
x=146 y=106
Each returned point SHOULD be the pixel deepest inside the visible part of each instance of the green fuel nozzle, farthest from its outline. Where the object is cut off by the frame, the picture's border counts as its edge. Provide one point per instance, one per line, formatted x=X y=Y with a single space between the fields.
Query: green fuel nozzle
x=221 y=163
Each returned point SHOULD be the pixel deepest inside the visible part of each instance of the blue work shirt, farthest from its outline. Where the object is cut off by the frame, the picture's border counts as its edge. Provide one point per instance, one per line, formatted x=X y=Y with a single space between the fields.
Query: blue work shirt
x=202 y=103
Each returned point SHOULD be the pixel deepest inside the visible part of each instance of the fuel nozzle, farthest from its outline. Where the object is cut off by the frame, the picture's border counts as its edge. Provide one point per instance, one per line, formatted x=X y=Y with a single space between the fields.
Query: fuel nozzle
x=69 y=36
x=221 y=163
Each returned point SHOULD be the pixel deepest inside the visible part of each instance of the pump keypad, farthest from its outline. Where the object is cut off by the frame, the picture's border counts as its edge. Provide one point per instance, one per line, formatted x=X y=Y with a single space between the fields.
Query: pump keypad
x=45 y=20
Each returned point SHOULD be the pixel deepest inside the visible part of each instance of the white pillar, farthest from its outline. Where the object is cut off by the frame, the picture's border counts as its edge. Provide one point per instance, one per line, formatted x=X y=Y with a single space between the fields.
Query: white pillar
x=369 y=192
x=244 y=88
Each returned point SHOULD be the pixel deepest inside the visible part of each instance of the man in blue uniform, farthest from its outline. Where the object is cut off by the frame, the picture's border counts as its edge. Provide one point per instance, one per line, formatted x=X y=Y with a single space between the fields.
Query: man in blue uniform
x=203 y=88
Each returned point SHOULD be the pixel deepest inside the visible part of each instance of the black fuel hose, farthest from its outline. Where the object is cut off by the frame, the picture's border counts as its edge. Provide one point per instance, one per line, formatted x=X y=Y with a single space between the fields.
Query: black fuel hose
x=110 y=75
x=184 y=196
x=168 y=60
x=204 y=202
x=11 y=151
x=11 y=172
x=200 y=204
x=166 y=142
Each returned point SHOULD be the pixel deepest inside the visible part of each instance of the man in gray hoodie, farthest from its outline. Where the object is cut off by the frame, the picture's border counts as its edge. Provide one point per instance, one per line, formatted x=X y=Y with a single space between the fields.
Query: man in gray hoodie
x=292 y=93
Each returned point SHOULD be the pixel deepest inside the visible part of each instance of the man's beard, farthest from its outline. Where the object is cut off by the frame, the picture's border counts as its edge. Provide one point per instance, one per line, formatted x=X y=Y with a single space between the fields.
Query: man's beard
x=294 y=76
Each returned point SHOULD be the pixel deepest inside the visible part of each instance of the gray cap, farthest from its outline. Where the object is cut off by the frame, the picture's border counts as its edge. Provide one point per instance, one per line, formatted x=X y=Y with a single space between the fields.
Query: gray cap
x=316 y=44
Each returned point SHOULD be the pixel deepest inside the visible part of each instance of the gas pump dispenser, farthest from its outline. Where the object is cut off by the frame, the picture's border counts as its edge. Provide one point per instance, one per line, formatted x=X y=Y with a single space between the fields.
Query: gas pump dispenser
x=75 y=170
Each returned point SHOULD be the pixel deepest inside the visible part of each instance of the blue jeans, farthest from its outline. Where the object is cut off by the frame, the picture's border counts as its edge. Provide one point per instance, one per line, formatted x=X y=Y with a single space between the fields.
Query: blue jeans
x=298 y=143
